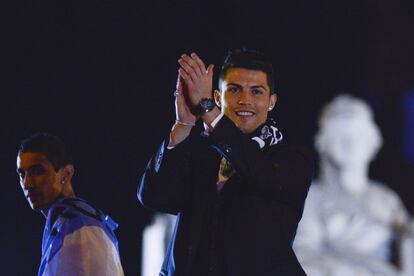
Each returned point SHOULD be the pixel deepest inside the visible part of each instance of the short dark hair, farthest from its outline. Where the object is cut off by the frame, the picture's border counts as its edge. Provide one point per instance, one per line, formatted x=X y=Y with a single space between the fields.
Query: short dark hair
x=48 y=144
x=251 y=60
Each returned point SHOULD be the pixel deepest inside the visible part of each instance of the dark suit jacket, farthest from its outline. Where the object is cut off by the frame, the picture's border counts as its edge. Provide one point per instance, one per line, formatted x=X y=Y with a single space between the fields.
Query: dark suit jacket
x=263 y=201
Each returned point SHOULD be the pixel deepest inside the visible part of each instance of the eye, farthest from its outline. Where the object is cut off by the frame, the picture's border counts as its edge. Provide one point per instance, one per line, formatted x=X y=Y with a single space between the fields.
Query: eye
x=37 y=170
x=233 y=89
x=256 y=91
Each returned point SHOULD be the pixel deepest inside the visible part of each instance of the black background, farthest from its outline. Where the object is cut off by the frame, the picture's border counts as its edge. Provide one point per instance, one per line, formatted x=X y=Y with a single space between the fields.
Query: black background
x=101 y=75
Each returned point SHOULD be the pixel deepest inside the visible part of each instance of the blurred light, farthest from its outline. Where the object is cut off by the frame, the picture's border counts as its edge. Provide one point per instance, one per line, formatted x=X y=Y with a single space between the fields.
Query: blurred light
x=408 y=137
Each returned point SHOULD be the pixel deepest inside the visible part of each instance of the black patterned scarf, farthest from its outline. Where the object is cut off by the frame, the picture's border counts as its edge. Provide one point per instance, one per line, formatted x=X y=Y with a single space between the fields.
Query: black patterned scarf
x=267 y=135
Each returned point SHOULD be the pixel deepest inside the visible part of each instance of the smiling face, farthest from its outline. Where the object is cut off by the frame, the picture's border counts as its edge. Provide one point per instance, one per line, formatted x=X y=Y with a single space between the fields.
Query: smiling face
x=41 y=184
x=245 y=98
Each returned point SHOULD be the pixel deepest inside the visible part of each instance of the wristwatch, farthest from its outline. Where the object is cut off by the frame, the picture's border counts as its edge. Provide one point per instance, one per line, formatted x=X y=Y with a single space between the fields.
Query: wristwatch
x=206 y=105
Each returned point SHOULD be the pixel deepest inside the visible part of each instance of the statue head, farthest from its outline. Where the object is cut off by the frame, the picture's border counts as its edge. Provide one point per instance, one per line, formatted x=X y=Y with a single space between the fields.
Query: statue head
x=347 y=135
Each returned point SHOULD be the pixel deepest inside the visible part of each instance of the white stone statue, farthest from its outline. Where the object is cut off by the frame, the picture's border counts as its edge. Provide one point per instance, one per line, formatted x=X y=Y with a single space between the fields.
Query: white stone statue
x=155 y=239
x=350 y=221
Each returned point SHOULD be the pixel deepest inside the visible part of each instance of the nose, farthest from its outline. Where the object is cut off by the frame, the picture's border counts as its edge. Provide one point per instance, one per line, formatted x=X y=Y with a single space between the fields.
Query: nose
x=244 y=98
x=26 y=182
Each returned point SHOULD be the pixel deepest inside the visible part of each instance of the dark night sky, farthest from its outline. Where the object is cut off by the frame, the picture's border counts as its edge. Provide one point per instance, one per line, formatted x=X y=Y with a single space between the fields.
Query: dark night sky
x=101 y=75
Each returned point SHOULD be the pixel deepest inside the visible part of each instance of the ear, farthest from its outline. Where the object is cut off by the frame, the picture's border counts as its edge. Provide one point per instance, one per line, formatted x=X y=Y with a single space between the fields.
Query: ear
x=272 y=101
x=217 y=97
x=67 y=173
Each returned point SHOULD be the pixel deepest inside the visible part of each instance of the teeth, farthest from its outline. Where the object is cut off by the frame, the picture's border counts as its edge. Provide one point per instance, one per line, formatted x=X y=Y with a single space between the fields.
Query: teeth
x=245 y=113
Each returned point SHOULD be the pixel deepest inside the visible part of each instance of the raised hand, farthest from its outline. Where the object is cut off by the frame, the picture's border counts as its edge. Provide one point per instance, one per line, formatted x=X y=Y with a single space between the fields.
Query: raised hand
x=183 y=113
x=198 y=79
x=194 y=82
x=184 y=119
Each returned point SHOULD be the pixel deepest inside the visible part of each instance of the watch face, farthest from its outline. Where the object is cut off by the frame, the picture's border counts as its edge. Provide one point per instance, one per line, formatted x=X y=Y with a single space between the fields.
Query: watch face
x=207 y=104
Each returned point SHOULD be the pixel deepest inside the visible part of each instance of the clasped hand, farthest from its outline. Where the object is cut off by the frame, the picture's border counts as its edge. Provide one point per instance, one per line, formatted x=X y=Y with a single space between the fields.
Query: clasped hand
x=194 y=82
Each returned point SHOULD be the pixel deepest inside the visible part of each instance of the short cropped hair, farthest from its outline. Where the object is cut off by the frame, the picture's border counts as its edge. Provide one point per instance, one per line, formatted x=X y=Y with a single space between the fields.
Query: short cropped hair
x=50 y=145
x=251 y=60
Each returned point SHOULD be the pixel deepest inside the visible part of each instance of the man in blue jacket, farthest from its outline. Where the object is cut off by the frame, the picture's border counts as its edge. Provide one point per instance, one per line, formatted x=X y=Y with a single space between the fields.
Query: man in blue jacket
x=237 y=190
x=78 y=239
